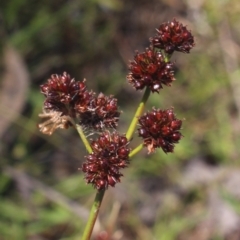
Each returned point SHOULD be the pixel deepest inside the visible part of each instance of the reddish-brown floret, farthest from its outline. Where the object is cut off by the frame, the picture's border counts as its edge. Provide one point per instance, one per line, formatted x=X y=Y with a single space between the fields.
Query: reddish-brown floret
x=101 y=112
x=173 y=36
x=62 y=92
x=160 y=129
x=150 y=70
x=70 y=99
x=110 y=154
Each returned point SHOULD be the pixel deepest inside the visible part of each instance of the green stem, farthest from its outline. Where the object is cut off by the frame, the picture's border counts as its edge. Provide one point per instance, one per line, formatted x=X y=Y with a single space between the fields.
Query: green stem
x=136 y=150
x=83 y=137
x=98 y=198
x=138 y=113
x=93 y=215
x=167 y=57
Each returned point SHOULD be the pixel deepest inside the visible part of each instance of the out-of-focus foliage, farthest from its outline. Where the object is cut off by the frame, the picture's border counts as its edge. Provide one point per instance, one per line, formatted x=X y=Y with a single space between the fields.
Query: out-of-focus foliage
x=191 y=194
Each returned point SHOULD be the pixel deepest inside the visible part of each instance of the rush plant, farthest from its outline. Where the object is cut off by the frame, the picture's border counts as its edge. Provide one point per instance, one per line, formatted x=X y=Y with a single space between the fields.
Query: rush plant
x=68 y=103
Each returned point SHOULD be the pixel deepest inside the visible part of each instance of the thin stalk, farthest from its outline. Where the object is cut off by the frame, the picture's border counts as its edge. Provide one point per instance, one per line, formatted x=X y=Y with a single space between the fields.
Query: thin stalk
x=93 y=215
x=84 y=139
x=167 y=57
x=136 y=150
x=138 y=113
x=98 y=198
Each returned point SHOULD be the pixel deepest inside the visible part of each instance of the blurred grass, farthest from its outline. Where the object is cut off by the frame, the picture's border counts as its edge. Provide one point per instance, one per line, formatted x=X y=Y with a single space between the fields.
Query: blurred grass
x=95 y=40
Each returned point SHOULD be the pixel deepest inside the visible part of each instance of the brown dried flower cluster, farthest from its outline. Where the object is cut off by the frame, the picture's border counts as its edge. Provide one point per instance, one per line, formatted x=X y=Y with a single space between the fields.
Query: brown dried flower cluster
x=54 y=121
x=173 y=36
x=160 y=129
x=150 y=70
x=110 y=154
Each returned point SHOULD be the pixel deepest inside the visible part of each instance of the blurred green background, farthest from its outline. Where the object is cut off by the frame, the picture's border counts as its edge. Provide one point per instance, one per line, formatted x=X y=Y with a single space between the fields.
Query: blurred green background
x=193 y=194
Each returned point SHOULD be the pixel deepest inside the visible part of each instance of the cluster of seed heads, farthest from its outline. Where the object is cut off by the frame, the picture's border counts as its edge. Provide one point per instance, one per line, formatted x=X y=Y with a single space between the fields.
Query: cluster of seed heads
x=68 y=102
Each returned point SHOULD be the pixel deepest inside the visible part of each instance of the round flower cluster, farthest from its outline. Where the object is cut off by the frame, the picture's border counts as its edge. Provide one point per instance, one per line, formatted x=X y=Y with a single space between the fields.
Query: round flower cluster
x=110 y=154
x=150 y=70
x=160 y=129
x=62 y=93
x=173 y=36
x=102 y=112
x=71 y=98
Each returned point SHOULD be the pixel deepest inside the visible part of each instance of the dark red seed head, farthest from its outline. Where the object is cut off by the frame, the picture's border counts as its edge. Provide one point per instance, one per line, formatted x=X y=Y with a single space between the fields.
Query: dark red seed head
x=150 y=70
x=99 y=113
x=173 y=36
x=159 y=129
x=62 y=93
x=110 y=155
